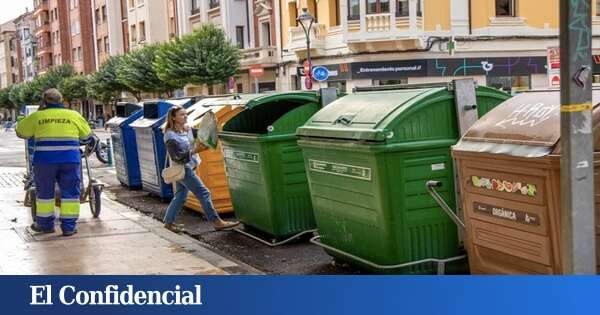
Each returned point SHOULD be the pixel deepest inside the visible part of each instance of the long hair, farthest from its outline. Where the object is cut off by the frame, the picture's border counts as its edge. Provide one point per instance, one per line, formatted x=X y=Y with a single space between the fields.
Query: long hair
x=170 y=125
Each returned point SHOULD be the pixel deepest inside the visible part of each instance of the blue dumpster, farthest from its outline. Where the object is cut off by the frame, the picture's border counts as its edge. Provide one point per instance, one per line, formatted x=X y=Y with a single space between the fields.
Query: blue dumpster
x=124 y=144
x=150 y=144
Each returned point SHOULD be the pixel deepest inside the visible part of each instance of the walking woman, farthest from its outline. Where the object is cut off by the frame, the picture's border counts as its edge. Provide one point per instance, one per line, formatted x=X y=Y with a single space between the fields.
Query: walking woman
x=179 y=140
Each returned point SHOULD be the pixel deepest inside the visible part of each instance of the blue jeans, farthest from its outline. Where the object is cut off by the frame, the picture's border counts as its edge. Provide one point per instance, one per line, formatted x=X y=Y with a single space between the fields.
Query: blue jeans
x=192 y=183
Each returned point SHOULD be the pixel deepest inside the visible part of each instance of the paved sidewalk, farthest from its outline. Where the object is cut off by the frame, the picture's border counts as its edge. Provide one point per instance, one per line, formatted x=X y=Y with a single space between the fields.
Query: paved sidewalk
x=121 y=241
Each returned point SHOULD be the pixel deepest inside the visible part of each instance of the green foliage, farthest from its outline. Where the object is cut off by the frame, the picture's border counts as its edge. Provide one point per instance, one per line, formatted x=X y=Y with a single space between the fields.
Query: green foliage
x=29 y=93
x=14 y=95
x=4 y=98
x=74 y=88
x=205 y=56
x=136 y=71
x=103 y=84
x=53 y=78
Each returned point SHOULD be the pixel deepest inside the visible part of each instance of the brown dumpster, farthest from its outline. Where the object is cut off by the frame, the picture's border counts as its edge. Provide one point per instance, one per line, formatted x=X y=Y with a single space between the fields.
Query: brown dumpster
x=212 y=168
x=509 y=175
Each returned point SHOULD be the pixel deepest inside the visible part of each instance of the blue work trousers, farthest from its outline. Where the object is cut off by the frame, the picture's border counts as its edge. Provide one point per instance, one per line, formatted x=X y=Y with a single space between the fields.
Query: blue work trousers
x=68 y=178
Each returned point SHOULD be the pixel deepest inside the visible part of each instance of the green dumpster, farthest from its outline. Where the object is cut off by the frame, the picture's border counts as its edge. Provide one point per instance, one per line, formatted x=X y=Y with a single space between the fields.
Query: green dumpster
x=368 y=156
x=264 y=165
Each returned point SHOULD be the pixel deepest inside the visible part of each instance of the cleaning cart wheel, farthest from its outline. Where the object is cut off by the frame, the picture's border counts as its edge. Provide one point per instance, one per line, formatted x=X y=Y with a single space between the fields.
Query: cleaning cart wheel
x=32 y=197
x=96 y=201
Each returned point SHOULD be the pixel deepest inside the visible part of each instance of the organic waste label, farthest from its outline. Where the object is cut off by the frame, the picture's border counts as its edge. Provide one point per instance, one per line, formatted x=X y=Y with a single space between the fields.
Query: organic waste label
x=518 y=216
x=358 y=172
x=241 y=156
x=504 y=186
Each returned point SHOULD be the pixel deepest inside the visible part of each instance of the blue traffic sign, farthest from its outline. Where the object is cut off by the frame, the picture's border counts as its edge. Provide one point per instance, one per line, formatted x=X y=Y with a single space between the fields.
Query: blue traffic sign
x=320 y=73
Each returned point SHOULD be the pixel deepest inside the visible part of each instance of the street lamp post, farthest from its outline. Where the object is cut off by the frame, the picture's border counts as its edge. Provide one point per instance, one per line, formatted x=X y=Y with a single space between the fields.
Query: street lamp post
x=306 y=19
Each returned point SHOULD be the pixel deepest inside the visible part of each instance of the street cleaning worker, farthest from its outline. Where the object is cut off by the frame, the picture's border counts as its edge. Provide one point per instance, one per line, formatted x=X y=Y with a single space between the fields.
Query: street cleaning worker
x=57 y=132
x=181 y=149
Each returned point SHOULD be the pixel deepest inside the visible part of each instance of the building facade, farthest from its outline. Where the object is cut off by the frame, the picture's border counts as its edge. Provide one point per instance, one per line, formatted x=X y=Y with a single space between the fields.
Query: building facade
x=25 y=26
x=109 y=35
x=501 y=43
x=9 y=55
x=83 y=53
x=147 y=22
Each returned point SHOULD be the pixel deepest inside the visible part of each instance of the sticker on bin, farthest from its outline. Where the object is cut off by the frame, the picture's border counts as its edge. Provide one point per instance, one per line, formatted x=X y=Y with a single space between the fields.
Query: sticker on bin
x=358 y=172
x=438 y=167
x=241 y=156
x=507 y=214
x=504 y=185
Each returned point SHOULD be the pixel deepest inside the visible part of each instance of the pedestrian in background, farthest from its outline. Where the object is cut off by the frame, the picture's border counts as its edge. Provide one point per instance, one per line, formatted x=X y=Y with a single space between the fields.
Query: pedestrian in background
x=181 y=149
x=57 y=132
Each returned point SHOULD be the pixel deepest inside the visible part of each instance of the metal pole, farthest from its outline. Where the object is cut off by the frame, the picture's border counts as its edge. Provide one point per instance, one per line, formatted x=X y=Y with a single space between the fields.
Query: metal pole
x=109 y=152
x=578 y=242
x=256 y=88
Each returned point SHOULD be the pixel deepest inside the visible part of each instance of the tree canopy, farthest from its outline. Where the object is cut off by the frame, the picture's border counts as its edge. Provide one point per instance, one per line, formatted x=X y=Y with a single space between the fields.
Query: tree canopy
x=74 y=88
x=136 y=71
x=205 y=56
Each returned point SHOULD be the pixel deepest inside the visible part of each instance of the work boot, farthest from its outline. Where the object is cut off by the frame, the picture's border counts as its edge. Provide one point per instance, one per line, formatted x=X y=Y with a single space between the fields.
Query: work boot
x=38 y=229
x=221 y=225
x=175 y=228
x=69 y=232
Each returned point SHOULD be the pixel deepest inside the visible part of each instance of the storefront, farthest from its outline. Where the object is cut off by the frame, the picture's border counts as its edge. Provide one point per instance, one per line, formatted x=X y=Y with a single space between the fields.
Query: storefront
x=512 y=74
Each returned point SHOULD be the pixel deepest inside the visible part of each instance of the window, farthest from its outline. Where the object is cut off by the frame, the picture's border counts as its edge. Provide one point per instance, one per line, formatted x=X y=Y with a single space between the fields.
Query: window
x=97 y=16
x=265 y=30
x=75 y=28
x=99 y=45
x=74 y=4
x=195 y=7
x=140 y=2
x=353 y=9
x=597 y=7
x=106 y=45
x=131 y=4
x=213 y=4
x=390 y=82
x=104 y=15
x=239 y=36
x=240 y=88
x=142 y=31
x=133 y=33
x=340 y=85
x=505 y=8
x=378 y=6
x=403 y=8
x=510 y=84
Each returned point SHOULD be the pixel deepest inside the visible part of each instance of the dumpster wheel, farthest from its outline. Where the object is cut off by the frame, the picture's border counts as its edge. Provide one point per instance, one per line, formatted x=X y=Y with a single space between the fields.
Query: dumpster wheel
x=441 y=263
x=274 y=243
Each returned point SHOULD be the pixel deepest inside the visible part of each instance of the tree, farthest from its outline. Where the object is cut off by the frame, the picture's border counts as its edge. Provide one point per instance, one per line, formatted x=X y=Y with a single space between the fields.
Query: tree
x=205 y=56
x=136 y=71
x=103 y=84
x=14 y=95
x=53 y=78
x=29 y=93
x=74 y=88
x=4 y=99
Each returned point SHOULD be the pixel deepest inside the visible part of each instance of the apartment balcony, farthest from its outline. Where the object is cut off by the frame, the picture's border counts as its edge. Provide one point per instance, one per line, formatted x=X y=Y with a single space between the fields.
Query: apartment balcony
x=40 y=8
x=265 y=56
x=297 y=40
x=385 y=31
x=44 y=28
x=43 y=50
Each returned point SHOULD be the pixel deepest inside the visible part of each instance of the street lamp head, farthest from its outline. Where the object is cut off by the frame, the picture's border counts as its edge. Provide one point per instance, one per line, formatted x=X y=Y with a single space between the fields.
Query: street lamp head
x=305 y=19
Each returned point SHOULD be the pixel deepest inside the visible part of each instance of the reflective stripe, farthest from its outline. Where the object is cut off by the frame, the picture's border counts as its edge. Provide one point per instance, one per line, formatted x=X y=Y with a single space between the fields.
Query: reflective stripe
x=56 y=148
x=57 y=139
x=69 y=199
x=69 y=209
x=62 y=216
x=45 y=208
x=41 y=143
x=44 y=215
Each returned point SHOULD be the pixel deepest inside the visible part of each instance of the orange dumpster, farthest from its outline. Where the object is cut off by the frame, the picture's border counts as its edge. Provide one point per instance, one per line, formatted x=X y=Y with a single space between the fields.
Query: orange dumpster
x=212 y=168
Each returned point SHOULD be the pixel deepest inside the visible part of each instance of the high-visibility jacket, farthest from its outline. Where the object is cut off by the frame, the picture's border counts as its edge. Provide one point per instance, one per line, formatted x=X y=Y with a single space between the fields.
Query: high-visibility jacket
x=57 y=132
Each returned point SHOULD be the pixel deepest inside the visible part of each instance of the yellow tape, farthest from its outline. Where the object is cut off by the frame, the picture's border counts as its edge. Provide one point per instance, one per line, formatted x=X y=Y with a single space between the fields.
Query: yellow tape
x=576 y=108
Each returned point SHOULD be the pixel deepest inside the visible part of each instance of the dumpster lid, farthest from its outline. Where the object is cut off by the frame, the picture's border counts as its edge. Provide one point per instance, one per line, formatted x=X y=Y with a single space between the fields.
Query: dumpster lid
x=146 y=122
x=116 y=121
x=250 y=101
x=363 y=115
x=526 y=125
